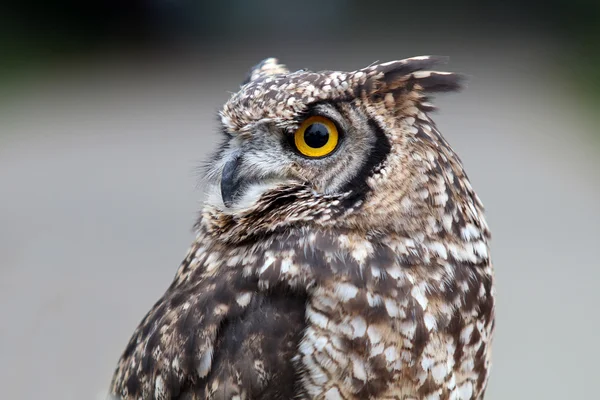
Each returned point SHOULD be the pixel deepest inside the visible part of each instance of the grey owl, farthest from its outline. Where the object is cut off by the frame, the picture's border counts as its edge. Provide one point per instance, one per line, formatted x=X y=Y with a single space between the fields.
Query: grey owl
x=341 y=252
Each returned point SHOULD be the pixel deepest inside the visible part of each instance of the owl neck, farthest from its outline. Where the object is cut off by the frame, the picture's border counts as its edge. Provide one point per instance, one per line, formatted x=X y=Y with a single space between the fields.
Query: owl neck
x=421 y=191
x=459 y=221
x=283 y=209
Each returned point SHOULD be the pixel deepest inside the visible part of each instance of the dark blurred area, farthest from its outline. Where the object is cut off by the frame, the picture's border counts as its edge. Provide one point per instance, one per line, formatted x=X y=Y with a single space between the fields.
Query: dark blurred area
x=33 y=32
x=139 y=20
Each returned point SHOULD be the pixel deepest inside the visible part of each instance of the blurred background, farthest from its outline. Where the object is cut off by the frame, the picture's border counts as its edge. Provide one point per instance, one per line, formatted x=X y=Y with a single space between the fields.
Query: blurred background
x=107 y=109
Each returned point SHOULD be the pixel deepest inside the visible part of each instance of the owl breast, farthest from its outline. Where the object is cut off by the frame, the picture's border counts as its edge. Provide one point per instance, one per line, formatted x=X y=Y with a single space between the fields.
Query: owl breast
x=393 y=327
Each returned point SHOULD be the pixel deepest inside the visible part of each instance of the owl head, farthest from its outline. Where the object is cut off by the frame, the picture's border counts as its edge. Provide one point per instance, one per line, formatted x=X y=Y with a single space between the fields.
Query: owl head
x=355 y=149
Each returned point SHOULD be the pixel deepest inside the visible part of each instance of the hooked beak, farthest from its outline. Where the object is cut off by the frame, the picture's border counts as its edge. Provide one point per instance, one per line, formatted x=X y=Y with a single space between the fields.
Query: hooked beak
x=230 y=184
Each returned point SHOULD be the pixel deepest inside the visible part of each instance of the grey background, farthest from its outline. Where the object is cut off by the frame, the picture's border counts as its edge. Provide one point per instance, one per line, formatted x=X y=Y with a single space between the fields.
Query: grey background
x=100 y=187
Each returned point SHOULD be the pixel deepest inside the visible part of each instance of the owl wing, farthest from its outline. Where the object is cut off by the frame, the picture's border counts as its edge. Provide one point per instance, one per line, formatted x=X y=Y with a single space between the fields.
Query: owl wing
x=173 y=347
x=254 y=353
x=213 y=332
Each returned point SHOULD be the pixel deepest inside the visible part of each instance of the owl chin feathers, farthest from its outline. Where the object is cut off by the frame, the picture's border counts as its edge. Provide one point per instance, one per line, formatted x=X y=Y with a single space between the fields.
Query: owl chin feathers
x=246 y=197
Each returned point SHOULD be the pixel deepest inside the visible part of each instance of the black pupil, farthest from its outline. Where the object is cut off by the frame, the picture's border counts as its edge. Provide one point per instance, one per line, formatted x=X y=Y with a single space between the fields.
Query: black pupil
x=316 y=135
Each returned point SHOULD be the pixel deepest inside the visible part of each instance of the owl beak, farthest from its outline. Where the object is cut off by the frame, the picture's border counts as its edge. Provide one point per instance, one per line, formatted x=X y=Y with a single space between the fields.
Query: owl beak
x=230 y=184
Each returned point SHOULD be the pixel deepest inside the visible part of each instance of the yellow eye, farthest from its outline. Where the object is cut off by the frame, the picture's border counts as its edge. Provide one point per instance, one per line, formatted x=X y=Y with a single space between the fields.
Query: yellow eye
x=316 y=137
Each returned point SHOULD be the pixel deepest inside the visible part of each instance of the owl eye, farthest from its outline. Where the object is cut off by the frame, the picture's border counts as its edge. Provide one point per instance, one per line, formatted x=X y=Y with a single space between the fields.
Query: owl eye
x=316 y=137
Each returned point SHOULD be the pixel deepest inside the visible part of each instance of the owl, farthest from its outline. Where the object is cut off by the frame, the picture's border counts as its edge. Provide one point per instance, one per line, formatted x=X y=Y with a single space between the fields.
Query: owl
x=341 y=252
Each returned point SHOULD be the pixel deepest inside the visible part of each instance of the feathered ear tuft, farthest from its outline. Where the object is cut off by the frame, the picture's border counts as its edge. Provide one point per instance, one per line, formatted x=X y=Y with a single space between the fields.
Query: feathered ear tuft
x=268 y=66
x=436 y=81
x=411 y=74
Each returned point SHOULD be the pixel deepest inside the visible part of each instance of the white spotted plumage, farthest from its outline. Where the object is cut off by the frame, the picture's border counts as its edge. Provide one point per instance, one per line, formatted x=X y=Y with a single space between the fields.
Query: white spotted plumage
x=363 y=274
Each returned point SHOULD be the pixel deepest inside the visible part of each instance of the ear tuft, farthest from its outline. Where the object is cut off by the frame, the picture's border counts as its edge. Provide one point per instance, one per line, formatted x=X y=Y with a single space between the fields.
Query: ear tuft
x=412 y=74
x=268 y=66
x=435 y=81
